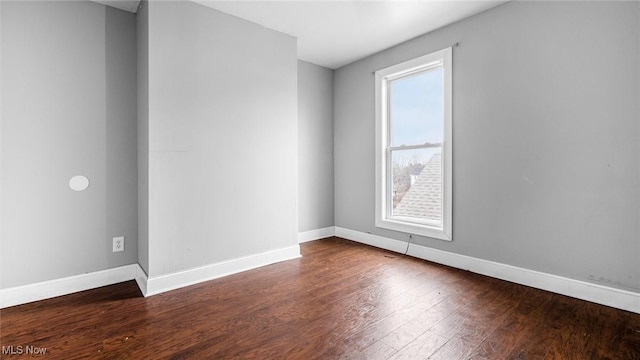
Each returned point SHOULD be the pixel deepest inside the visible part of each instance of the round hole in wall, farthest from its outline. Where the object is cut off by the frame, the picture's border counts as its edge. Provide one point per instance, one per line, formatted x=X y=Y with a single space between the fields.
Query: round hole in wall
x=79 y=183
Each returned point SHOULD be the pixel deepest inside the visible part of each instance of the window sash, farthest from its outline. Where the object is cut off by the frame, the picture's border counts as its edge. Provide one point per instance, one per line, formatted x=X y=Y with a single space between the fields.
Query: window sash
x=403 y=75
x=389 y=188
x=414 y=147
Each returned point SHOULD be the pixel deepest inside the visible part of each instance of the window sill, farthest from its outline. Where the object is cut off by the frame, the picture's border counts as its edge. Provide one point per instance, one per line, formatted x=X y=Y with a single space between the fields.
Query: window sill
x=414 y=229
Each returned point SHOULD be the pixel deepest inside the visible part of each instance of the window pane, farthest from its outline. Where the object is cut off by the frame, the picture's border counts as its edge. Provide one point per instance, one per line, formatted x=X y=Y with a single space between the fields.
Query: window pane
x=417 y=184
x=417 y=108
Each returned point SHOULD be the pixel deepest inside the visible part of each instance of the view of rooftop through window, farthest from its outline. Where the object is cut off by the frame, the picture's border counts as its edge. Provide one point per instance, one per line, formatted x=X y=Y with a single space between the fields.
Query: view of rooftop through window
x=416 y=111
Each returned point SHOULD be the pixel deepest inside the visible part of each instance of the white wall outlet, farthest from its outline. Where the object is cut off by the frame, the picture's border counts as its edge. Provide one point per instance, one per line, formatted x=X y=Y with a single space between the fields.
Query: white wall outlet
x=118 y=244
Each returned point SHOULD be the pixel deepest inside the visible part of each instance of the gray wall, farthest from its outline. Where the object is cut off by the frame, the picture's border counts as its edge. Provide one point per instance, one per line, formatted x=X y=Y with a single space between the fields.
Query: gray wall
x=142 y=34
x=63 y=117
x=315 y=147
x=222 y=138
x=546 y=138
x=121 y=130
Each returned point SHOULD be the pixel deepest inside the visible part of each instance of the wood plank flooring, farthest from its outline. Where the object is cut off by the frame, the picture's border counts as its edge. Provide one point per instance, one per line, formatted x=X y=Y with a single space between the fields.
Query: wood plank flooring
x=341 y=300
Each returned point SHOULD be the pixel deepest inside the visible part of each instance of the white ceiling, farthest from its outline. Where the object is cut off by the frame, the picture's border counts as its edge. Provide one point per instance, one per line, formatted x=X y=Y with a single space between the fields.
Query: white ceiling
x=337 y=32
x=127 y=5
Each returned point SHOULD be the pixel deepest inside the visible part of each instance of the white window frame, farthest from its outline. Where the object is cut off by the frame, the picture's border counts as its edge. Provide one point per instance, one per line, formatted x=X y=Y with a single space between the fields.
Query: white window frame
x=383 y=185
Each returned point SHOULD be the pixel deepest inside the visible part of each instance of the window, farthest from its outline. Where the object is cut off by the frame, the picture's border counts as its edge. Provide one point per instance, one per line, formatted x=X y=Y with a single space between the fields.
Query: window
x=413 y=146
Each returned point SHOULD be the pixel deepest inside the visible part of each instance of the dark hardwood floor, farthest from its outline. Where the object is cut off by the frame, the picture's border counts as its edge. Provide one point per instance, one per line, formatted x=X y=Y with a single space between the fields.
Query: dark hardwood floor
x=341 y=300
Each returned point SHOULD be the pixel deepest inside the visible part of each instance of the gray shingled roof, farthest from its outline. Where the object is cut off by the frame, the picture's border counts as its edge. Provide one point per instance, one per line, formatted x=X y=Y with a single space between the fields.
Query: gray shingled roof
x=424 y=198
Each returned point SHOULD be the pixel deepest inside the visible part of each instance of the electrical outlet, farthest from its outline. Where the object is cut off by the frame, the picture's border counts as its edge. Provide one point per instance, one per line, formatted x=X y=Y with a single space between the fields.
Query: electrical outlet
x=118 y=244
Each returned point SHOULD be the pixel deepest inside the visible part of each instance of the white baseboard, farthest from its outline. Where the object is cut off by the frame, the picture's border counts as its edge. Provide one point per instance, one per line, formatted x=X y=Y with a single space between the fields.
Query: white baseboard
x=141 y=280
x=158 y=284
x=373 y=240
x=621 y=299
x=316 y=234
x=148 y=286
x=72 y=284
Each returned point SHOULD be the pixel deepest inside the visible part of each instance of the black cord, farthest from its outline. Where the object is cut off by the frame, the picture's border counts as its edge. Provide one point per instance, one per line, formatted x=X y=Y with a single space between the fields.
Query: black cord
x=408 y=242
